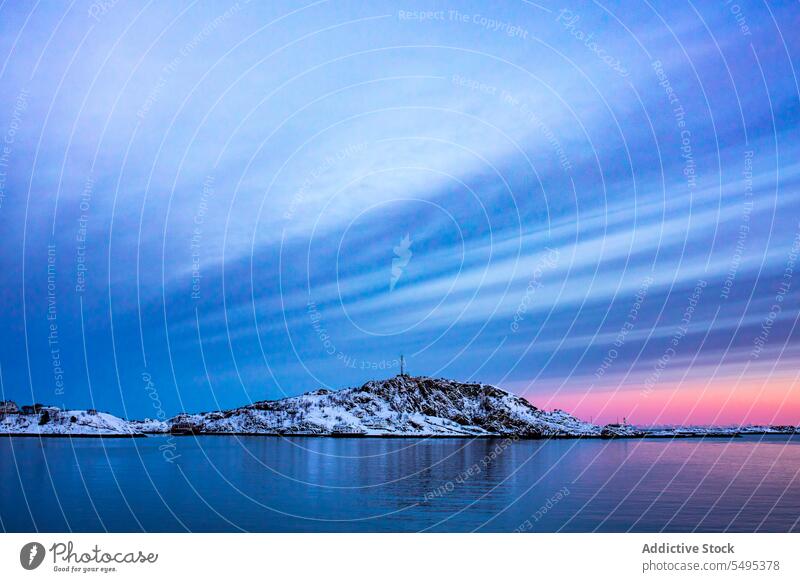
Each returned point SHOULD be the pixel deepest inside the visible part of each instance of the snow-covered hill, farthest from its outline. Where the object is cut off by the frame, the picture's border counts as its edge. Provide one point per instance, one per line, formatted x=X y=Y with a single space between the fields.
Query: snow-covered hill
x=67 y=423
x=399 y=406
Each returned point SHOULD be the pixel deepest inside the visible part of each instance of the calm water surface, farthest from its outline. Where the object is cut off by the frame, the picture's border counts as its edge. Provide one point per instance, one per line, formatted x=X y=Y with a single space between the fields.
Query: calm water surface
x=321 y=484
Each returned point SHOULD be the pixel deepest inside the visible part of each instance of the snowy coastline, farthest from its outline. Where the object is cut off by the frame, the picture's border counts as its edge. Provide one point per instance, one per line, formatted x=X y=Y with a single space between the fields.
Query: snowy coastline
x=403 y=406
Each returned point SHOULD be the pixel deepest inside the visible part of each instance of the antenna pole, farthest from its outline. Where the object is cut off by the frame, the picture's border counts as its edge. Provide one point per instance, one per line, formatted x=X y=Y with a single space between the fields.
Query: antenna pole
x=402 y=365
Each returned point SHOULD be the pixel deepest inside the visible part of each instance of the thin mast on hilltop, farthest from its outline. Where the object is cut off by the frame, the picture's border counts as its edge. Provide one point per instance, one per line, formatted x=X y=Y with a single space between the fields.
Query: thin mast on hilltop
x=402 y=365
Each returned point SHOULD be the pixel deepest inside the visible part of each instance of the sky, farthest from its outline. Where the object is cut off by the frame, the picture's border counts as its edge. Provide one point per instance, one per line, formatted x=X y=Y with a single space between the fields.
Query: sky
x=593 y=205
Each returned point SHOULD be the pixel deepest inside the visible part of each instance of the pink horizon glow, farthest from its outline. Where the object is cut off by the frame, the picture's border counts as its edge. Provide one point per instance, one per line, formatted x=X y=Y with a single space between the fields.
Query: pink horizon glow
x=718 y=402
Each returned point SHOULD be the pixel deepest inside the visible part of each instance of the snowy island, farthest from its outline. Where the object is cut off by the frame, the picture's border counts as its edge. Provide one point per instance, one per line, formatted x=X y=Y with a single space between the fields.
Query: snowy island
x=403 y=406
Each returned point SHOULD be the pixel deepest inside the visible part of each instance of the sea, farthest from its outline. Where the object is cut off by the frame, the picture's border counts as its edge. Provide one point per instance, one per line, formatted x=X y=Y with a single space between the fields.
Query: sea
x=309 y=484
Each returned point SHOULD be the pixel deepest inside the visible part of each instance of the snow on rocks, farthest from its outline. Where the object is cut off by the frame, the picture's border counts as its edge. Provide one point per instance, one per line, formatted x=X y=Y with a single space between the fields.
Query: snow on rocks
x=611 y=431
x=150 y=426
x=51 y=421
x=400 y=406
x=769 y=429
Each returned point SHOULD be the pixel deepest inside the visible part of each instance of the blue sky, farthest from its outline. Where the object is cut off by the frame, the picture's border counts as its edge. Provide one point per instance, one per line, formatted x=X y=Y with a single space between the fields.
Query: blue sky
x=237 y=180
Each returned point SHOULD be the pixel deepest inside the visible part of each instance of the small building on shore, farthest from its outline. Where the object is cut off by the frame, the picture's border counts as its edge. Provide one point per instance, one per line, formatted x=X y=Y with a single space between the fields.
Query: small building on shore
x=8 y=407
x=38 y=408
x=183 y=427
x=342 y=429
